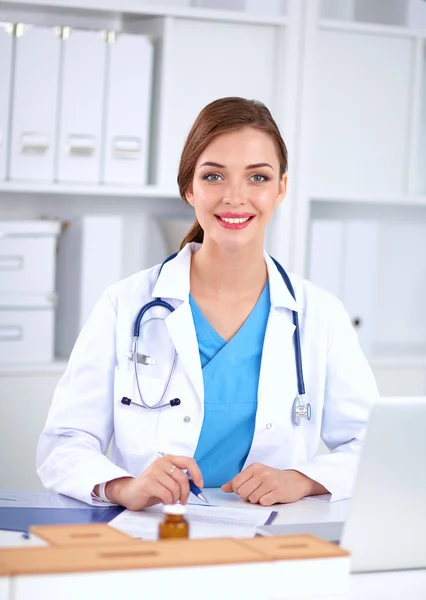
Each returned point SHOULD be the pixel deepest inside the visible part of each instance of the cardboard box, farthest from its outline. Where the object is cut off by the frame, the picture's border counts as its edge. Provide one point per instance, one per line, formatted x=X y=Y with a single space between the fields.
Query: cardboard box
x=95 y=534
x=97 y=561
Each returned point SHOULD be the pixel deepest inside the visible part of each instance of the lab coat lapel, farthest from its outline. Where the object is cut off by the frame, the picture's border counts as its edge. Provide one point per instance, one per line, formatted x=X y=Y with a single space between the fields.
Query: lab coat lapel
x=278 y=377
x=181 y=329
x=173 y=285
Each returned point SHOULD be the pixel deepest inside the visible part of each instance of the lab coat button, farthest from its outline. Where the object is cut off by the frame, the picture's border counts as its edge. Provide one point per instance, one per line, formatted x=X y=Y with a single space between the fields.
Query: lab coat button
x=268 y=425
x=186 y=419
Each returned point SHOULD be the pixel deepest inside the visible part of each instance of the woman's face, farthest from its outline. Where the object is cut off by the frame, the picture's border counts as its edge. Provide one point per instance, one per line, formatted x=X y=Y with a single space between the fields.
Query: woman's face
x=236 y=187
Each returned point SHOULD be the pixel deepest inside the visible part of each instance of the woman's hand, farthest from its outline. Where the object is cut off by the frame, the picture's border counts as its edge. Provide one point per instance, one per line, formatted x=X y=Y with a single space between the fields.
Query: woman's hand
x=260 y=484
x=164 y=481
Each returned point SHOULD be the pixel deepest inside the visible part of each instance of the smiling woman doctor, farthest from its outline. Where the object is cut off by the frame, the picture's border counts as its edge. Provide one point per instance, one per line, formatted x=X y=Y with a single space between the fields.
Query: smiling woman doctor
x=227 y=411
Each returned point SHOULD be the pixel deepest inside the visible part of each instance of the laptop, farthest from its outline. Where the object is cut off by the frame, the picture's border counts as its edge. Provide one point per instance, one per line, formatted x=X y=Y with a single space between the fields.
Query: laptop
x=386 y=526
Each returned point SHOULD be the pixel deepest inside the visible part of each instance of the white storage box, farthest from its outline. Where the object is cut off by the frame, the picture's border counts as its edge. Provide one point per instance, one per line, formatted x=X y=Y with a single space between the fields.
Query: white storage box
x=27 y=256
x=35 y=102
x=6 y=40
x=26 y=329
x=82 y=92
x=90 y=258
x=128 y=107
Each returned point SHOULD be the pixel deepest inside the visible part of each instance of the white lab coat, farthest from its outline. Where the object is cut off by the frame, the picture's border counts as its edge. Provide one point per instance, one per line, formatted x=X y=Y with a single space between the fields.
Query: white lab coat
x=87 y=413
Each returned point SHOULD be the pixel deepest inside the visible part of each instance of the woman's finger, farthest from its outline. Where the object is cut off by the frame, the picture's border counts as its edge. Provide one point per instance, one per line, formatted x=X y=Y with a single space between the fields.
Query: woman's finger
x=182 y=479
x=259 y=492
x=188 y=464
x=170 y=484
x=245 y=475
x=179 y=476
x=157 y=490
x=270 y=498
x=249 y=487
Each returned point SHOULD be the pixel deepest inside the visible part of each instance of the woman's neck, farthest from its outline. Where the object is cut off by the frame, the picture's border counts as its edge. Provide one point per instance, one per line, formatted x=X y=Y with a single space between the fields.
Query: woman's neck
x=234 y=274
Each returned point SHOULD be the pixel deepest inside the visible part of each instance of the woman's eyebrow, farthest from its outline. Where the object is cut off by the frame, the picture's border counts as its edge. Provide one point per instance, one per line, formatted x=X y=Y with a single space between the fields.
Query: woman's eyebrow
x=219 y=166
x=258 y=165
x=212 y=164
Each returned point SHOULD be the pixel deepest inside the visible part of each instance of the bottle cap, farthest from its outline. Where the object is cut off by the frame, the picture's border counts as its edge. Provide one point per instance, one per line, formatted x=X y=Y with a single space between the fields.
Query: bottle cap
x=174 y=509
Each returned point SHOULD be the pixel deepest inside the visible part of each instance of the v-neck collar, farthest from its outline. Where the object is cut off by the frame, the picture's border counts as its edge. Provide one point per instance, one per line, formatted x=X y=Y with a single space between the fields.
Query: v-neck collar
x=174 y=280
x=208 y=327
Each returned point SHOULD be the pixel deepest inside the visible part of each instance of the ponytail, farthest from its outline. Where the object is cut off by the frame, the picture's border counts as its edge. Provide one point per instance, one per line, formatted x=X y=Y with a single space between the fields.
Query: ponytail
x=195 y=234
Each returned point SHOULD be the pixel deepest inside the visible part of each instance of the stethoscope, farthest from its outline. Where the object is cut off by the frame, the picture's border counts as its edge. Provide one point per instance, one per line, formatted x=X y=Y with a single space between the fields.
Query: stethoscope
x=300 y=410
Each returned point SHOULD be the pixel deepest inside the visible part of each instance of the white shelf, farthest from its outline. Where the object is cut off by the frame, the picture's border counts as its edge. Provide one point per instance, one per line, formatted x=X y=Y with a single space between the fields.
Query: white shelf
x=57 y=366
x=122 y=191
x=136 y=8
x=419 y=200
x=371 y=28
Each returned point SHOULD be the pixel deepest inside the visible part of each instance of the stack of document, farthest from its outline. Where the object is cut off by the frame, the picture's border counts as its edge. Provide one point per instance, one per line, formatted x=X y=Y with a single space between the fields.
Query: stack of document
x=204 y=521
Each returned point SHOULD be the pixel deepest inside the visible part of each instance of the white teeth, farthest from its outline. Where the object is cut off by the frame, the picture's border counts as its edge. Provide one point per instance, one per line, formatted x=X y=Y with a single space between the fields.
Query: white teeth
x=234 y=220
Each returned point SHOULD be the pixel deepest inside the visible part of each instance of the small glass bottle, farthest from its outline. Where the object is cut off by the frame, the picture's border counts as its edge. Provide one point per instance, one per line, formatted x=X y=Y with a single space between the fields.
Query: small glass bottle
x=174 y=524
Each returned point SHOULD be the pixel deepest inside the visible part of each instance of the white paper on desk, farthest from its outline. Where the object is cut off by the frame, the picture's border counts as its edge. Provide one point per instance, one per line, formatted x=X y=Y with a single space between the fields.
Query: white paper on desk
x=326 y=498
x=204 y=521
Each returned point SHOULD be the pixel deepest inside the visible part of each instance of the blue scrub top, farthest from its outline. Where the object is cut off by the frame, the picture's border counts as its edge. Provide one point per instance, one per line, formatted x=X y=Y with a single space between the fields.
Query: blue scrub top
x=231 y=373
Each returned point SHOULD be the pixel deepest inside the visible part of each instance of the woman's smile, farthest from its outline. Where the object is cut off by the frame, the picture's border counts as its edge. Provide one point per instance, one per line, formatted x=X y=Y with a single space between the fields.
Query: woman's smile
x=234 y=220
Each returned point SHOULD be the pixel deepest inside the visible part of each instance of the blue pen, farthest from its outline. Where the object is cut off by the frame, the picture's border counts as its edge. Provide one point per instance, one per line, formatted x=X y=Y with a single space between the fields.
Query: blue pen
x=194 y=489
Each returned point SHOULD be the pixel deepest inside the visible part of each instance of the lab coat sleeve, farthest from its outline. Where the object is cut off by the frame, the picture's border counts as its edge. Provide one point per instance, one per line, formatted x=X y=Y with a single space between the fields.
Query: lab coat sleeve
x=71 y=451
x=350 y=392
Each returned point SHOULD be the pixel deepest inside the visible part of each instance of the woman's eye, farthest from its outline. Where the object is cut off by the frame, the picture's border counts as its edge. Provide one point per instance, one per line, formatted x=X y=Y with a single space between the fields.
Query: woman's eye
x=259 y=178
x=212 y=177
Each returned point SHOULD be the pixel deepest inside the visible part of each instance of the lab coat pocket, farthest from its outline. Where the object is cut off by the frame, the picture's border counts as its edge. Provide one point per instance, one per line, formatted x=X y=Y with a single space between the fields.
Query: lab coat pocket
x=135 y=427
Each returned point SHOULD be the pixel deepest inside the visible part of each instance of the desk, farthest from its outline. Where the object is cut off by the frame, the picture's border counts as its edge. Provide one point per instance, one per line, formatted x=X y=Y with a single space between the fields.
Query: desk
x=395 y=585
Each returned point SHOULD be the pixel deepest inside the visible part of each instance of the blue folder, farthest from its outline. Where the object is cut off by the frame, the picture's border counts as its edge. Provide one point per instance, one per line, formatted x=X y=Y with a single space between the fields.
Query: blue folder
x=20 y=518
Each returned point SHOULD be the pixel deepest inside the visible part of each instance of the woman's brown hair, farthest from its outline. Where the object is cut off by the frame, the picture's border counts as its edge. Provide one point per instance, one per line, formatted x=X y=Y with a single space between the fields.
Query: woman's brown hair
x=218 y=117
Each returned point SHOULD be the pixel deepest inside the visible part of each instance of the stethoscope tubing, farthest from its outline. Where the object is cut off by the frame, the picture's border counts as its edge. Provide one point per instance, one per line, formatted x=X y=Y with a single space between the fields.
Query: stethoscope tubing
x=158 y=302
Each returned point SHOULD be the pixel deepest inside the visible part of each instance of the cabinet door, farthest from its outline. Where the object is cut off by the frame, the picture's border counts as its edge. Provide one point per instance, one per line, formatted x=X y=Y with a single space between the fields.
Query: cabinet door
x=81 y=111
x=343 y=261
x=361 y=110
x=6 y=40
x=35 y=95
x=128 y=110
x=207 y=60
x=326 y=255
x=401 y=320
x=360 y=279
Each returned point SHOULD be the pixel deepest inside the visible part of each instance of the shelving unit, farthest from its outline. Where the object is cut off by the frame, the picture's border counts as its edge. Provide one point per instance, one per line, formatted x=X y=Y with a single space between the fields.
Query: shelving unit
x=349 y=97
x=362 y=151
x=130 y=10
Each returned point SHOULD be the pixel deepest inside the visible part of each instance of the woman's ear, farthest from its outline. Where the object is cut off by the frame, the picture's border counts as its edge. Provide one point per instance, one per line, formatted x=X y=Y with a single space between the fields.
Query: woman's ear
x=282 y=188
x=189 y=195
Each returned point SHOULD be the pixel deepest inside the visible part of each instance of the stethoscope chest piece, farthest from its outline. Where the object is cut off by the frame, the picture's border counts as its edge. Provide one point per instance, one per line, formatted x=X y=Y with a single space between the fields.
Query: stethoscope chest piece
x=301 y=410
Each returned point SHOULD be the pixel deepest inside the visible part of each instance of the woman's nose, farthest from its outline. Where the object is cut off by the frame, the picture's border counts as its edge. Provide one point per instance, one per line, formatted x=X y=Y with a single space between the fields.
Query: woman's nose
x=234 y=196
